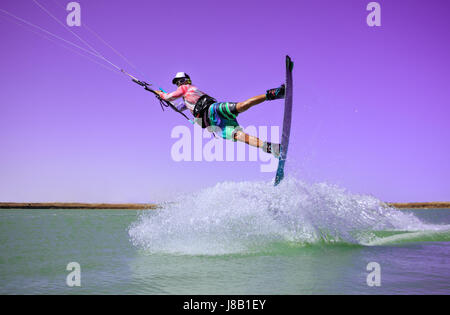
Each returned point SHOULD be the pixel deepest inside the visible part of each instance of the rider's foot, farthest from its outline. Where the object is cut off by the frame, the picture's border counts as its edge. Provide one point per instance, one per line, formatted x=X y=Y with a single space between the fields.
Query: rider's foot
x=274 y=94
x=272 y=148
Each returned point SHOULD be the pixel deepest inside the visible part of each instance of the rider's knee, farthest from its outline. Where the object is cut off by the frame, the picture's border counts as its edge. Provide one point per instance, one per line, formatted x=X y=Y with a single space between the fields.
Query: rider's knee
x=239 y=107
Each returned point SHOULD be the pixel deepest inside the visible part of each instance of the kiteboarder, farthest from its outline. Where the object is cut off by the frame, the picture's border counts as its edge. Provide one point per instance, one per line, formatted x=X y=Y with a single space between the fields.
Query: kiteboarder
x=220 y=117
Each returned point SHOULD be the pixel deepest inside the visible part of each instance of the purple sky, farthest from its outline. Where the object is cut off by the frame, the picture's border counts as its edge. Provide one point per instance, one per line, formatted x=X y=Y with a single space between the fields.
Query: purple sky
x=371 y=104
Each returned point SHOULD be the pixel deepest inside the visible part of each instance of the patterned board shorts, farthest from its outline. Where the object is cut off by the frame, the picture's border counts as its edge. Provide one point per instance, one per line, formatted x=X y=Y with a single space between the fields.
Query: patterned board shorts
x=223 y=120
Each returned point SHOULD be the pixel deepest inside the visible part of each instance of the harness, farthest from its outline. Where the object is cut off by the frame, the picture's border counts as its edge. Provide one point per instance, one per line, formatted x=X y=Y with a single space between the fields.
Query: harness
x=201 y=109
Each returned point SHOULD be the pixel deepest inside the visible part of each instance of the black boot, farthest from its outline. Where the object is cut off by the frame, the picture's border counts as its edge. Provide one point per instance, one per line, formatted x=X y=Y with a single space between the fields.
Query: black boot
x=272 y=148
x=274 y=94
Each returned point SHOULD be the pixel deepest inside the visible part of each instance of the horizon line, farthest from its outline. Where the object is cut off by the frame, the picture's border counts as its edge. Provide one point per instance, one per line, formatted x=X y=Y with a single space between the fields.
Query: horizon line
x=153 y=206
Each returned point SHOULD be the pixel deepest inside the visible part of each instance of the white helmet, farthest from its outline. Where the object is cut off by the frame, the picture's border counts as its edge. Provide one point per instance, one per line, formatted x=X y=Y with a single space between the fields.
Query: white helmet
x=180 y=75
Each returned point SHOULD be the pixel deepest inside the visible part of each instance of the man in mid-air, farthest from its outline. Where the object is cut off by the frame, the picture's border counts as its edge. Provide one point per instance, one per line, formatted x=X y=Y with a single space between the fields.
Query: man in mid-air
x=220 y=117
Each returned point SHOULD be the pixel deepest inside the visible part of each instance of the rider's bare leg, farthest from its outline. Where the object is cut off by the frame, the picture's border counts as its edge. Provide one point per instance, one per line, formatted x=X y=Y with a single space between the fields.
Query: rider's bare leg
x=272 y=94
x=267 y=147
x=250 y=140
x=243 y=106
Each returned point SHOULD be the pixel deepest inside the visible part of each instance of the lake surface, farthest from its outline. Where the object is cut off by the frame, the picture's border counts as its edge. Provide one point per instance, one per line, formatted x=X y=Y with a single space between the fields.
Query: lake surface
x=193 y=247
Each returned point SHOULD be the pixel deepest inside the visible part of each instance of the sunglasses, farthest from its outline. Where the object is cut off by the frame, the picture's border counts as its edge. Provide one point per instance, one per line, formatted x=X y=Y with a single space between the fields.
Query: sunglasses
x=181 y=81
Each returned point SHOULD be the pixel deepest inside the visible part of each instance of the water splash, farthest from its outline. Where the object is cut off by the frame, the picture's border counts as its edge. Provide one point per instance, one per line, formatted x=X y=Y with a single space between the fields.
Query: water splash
x=249 y=217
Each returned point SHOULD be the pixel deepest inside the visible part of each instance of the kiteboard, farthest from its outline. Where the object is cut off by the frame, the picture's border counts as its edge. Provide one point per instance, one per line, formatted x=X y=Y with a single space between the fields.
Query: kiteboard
x=286 y=122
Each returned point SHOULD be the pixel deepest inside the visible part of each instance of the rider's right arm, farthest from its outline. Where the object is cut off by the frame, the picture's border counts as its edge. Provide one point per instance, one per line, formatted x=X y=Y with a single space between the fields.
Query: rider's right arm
x=174 y=95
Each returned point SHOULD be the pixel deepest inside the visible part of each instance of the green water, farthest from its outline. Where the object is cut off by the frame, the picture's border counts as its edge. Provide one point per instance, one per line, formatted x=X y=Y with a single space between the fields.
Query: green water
x=37 y=245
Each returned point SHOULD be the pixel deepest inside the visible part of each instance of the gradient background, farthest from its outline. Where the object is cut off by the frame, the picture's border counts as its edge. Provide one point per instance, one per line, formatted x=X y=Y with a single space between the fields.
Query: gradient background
x=371 y=104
